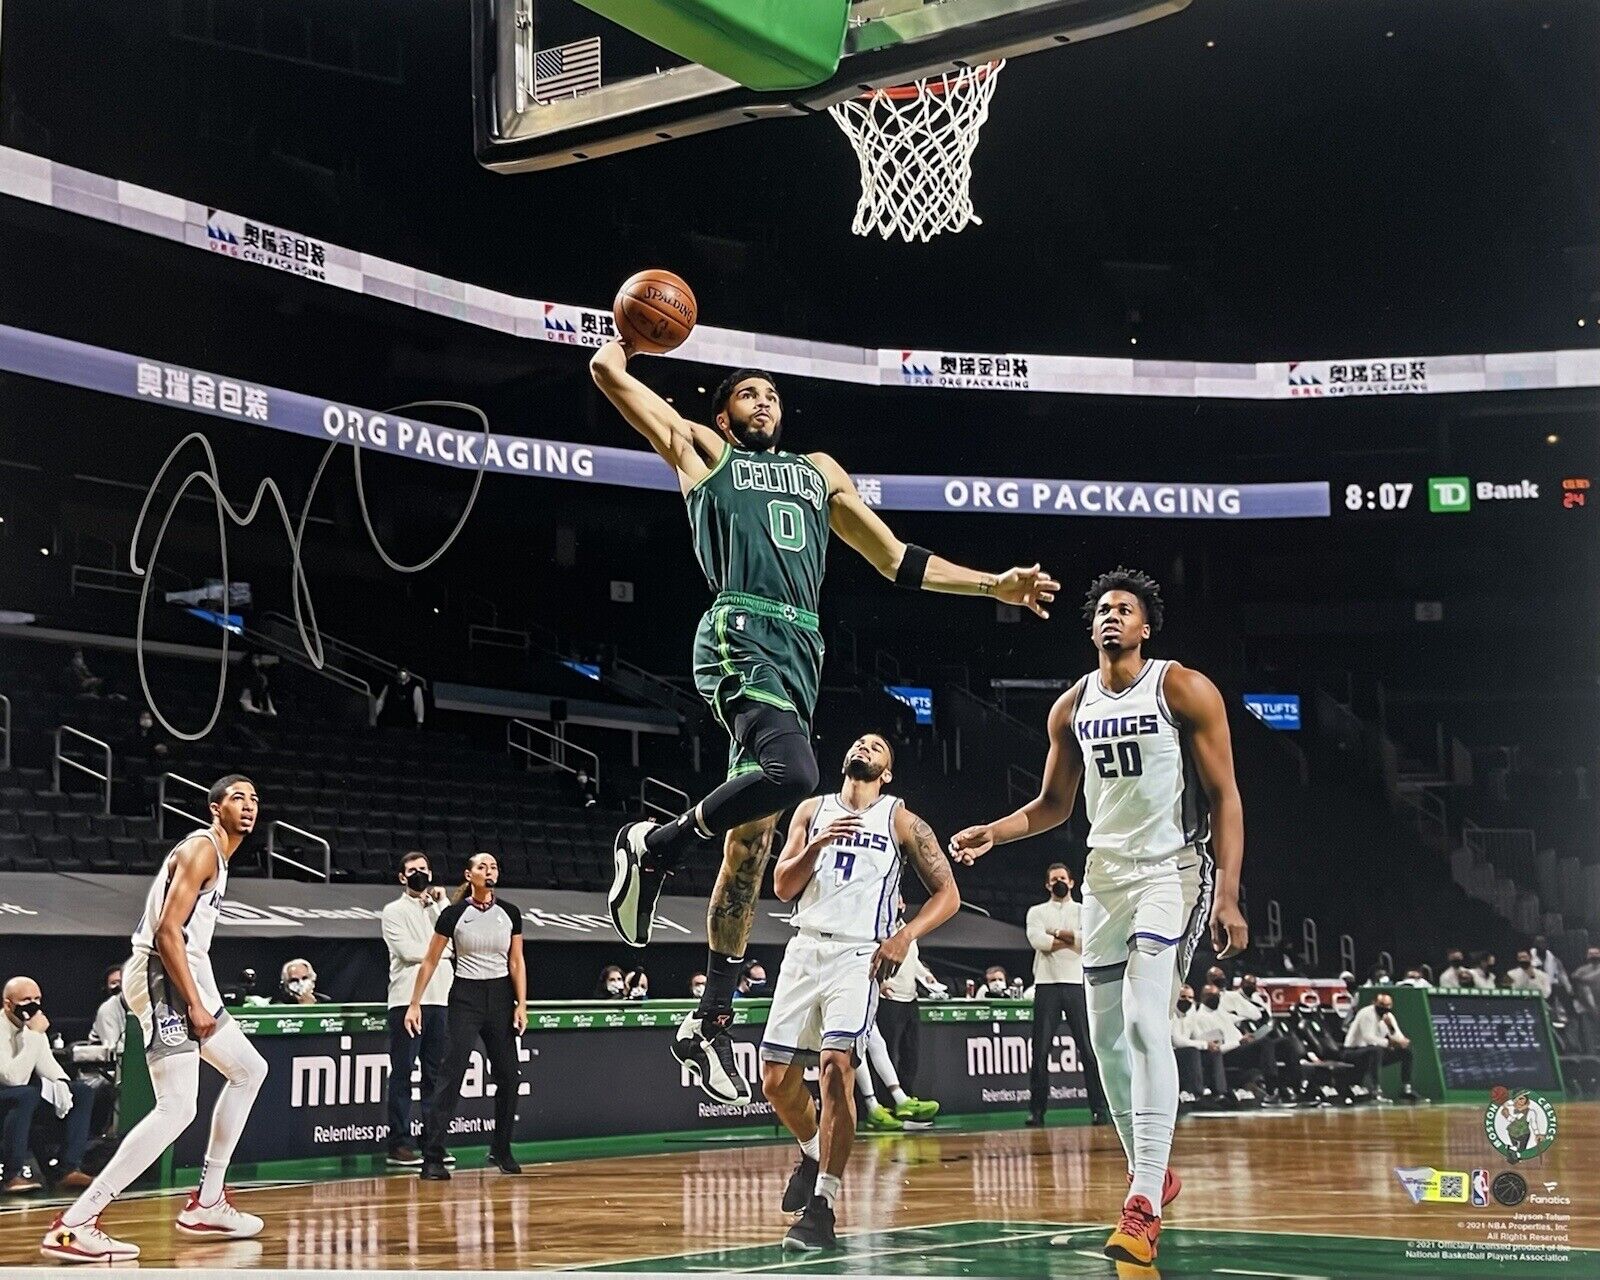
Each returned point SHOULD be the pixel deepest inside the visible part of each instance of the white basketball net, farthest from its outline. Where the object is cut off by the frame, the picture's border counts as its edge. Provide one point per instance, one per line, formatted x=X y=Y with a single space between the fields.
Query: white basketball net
x=915 y=146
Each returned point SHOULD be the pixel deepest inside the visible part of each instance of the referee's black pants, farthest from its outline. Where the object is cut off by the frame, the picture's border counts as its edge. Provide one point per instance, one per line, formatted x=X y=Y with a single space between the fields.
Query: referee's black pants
x=1053 y=1001
x=478 y=1009
x=898 y=1021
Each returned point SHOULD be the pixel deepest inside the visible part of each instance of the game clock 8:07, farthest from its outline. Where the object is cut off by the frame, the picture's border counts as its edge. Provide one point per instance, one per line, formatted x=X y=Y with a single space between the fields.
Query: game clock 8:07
x=1391 y=495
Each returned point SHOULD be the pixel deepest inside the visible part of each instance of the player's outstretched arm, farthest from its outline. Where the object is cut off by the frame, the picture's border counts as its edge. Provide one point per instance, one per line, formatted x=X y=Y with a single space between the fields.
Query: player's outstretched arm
x=1063 y=769
x=687 y=447
x=1199 y=708
x=912 y=566
x=798 y=861
x=195 y=865
x=920 y=847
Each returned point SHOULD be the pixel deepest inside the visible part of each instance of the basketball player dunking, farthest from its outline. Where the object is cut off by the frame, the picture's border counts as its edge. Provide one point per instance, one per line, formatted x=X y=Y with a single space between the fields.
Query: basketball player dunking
x=842 y=861
x=760 y=519
x=169 y=986
x=1145 y=727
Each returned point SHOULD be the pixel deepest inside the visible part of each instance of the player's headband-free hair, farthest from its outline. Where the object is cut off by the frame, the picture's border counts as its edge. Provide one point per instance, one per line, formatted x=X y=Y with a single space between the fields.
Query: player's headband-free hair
x=726 y=388
x=913 y=567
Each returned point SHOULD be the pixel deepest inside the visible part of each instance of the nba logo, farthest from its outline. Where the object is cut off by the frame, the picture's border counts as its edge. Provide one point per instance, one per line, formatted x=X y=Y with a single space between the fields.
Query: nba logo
x=1480 y=1187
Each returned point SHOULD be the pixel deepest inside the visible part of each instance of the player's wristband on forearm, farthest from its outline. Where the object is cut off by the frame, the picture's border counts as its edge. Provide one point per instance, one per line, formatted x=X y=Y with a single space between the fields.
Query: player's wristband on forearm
x=913 y=567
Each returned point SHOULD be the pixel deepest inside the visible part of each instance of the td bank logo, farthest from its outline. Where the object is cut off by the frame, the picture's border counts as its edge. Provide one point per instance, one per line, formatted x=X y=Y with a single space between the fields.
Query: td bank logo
x=1449 y=493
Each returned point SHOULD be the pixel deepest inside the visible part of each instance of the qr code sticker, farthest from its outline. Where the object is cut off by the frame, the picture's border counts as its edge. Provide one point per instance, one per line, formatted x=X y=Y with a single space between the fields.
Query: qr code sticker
x=1452 y=1186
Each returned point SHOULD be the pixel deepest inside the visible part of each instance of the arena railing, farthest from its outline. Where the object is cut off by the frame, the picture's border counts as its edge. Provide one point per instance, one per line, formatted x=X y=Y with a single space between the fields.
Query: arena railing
x=345 y=647
x=560 y=748
x=62 y=759
x=645 y=802
x=273 y=856
x=164 y=806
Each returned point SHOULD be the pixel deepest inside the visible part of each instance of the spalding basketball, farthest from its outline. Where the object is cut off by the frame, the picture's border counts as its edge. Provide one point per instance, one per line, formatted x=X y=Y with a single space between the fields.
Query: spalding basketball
x=654 y=311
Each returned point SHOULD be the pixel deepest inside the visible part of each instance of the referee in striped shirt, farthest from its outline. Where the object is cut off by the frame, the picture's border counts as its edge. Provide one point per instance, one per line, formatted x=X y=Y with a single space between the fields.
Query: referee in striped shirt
x=488 y=1000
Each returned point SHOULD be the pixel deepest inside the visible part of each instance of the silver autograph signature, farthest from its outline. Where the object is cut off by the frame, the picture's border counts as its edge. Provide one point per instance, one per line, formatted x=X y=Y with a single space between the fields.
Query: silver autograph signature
x=305 y=614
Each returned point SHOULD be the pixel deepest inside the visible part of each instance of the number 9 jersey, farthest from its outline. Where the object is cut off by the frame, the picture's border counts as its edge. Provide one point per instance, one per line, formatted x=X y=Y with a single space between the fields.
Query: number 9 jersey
x=852 y=892
x=1141 y=793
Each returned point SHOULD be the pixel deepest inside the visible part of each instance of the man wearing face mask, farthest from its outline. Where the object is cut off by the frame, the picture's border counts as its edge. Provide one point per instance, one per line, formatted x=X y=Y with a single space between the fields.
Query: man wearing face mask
x=636 y=985
x=995 y=985
x=30 y=1075
x=1586 y=999
x=1375 y=1040
x=408 y=924
x=1199 y=1056
x=297 y=984
x=697 y=986
x=753 y=984
x=1054 y=930
x=111 y=1019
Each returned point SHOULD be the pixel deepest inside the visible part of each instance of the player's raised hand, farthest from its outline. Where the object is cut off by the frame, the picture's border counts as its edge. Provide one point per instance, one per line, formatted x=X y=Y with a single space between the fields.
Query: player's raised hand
x=838 y=829
x=1230 y=934
x=1032 y=588
x=968 y=845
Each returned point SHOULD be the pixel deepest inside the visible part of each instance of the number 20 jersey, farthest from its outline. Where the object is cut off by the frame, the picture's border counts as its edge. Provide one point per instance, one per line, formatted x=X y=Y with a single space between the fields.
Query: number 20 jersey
x=853 y=890
x=1140 y=789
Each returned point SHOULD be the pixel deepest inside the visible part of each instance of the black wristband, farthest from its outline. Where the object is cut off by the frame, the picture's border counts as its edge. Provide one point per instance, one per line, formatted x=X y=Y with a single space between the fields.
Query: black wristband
x=913 y=566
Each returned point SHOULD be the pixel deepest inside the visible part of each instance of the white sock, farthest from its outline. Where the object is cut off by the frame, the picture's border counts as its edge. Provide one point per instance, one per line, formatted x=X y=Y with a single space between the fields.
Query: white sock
x=176 y=1081
x=1147 y=997
x=1109 y=1039
x=883 y=1064
x=811 y=1147
x=899 y=1095
x=828 y=1187
x=233 y=1055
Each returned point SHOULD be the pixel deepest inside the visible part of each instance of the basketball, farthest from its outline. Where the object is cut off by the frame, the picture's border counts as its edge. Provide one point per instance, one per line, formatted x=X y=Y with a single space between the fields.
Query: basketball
x=655 y=311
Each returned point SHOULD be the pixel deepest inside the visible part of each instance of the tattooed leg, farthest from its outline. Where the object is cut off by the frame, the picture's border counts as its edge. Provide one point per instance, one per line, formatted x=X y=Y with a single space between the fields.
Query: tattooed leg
x=733 y=901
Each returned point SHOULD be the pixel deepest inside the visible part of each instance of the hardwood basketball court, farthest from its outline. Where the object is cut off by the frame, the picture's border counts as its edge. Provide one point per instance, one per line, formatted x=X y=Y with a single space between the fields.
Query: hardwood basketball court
x=1276 y=1193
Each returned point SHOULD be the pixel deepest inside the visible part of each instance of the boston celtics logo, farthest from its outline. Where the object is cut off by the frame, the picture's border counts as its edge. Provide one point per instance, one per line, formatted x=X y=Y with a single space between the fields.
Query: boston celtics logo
x=1519 y=1125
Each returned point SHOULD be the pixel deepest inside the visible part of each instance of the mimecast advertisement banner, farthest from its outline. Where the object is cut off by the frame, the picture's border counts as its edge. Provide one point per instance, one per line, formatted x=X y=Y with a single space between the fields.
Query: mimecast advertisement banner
x=328 y=1073
x=56 y=904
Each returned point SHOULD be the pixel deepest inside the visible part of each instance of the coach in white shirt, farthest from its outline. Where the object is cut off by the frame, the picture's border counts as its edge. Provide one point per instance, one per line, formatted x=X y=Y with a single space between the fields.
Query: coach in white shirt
x=1055 y=932
x=408 y=925
x=1374 y=1040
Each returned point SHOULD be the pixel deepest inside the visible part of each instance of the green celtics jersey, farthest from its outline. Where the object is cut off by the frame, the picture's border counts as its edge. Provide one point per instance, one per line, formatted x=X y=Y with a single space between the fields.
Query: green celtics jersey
x=760 y=526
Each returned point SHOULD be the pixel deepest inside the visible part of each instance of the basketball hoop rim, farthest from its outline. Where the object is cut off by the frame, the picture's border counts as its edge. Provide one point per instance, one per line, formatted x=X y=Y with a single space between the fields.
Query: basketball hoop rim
x=933 y=84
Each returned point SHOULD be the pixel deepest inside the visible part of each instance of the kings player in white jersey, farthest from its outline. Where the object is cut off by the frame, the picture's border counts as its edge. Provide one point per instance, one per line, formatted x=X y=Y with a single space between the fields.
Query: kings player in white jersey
x=169 y=986
x=841 y=868
x=1149 y=738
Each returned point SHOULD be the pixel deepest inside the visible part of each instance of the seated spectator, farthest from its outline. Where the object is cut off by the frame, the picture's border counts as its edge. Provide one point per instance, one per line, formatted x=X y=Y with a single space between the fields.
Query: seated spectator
x=1484 y=971
x=29 y=1075
x=1586 y=1000
x=111 y=1019
x=297 y=984
x=1414 y=978
x=1525 y=977
x=611 y=984
x=753 y=982
x=1241 y=1050
x=636 y=985
x=1458 y=973
x=255 y=695
x=1200 y=1072
x=401 y=702
x=79 y=681
x=995 y=986
x=588 y=793
x=1374 y=1040
x=697 y=986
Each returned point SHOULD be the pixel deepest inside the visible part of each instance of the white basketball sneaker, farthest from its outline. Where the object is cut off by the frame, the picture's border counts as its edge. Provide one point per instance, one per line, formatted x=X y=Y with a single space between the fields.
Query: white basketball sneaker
x=85 y=1244
x=220 y=1221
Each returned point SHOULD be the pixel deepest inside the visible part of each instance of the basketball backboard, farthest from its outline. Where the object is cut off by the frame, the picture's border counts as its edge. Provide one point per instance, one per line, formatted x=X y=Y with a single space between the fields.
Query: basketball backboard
x=556 y=83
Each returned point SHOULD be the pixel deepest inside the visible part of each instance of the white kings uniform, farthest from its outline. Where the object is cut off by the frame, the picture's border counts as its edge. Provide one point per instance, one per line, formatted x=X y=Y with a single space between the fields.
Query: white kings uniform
x=146 y=989
x=826 y=996
x=1149 y=872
